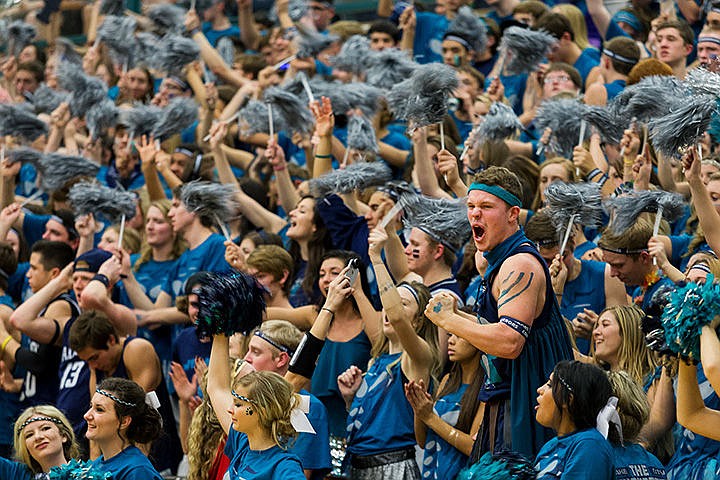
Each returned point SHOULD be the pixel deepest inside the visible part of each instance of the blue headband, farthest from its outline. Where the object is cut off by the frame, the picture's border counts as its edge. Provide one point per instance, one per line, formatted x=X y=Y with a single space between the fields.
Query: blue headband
x=629 y=18
x=498 y=191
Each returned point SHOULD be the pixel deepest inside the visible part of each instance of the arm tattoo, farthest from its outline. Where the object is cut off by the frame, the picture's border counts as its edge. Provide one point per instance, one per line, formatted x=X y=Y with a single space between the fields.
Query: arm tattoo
x=515 y=289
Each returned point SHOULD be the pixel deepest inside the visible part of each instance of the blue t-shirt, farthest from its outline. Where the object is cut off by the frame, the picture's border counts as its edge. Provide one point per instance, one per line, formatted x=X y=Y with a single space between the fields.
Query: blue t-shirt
x=585 y=291
x=151 y=276
x=209 y=256
x=429 y=31
x=313 y=450
x=27 y=180
x=633 y=462
x=380 y=402
x=588 y=59
x=14 y=470
x=187 y=347
x=33 y=226
x=214 y=35
x=584 y=454
x=442 y=460
x=271 y=464
x=130 y=464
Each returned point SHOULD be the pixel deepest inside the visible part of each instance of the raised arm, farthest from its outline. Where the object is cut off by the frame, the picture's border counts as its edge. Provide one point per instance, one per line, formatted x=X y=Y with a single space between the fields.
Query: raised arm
x=520 y=291
x=424 y=170
x=95 y=296
x=707 y=215
x=691 y=410
x=399 y=312
x=600 y=16
x=218 y=381
x=287 y=194
x=324 y=123
x=26 y=317
x=249 y=34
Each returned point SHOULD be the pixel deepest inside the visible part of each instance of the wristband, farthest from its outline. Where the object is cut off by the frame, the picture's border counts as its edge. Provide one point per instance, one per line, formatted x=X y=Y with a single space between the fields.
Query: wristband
x=305 y=357
x=332 y=314
x=592 y=173
x=102 y=279
x=194 y=31
x=603 y=180
x=317 y=155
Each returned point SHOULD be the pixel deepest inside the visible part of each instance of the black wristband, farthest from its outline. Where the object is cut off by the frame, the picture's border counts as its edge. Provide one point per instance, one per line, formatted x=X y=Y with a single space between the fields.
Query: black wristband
x=306 y=355
x=102 y=279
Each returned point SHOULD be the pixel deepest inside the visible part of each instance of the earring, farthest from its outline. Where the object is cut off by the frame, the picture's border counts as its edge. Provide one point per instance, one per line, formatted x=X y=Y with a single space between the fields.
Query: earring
x=249 y=411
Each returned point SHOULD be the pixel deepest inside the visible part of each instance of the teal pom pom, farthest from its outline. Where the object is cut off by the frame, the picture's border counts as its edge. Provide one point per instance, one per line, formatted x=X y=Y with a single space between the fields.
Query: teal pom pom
x=78 y=470
x=690 y=308
x=502 y=466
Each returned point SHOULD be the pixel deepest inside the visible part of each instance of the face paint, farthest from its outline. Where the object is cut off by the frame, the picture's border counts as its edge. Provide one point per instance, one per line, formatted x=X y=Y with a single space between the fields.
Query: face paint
x=416 y=253
x=456 y=60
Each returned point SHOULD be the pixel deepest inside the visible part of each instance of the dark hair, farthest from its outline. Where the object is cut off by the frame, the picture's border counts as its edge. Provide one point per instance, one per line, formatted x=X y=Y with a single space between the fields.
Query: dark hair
x=470 y=400
x=502 y=177
x=345 y=256
x=385 y=26
x=567 y=68
x=555 y=24
x=319 y=243
x=624 y=47
x=146 y=424
x=68 y=221
x=8 y=263
x=581 y=387
x=35 y=68
x=261 y=237
x=533 y=7
x=53 y=254
x=91 y=329
x=540 y=230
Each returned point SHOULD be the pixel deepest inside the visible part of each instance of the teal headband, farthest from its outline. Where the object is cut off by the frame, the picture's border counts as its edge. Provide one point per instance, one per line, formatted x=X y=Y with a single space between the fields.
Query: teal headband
x=499 y=192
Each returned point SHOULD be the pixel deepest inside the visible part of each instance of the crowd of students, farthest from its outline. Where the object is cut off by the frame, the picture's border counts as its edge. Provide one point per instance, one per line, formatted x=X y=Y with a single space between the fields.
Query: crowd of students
x=421 y=320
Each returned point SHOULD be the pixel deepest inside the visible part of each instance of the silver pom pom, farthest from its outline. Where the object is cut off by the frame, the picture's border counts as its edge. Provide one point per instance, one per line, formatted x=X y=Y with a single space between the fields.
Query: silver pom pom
x=91 y=197
x=357 y=176
x=525 y=49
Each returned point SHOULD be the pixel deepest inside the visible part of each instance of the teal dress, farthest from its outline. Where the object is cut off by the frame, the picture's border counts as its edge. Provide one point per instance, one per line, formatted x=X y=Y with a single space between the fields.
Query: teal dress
x=510 y=388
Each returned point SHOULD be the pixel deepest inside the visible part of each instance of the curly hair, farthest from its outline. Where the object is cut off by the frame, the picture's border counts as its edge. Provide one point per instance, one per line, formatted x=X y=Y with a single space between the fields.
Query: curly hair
x=204 y=437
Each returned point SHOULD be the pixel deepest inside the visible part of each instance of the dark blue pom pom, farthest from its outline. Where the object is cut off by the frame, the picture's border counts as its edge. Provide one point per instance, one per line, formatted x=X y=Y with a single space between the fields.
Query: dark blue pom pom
x=230 y=303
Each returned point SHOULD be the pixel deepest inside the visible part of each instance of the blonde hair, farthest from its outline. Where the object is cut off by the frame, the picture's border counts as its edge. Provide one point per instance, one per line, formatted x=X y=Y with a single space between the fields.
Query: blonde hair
x=204 y=436
x=633 y=406
x=577 y=22
x=283 y=333
x=633 y=355
x=179 y=245
x=274 y=399
x=569 y=169
x=131 y=240
x=70 y=448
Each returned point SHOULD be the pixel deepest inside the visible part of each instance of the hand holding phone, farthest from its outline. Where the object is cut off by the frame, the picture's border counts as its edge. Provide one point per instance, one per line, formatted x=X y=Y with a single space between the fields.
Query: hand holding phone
x=352 y=273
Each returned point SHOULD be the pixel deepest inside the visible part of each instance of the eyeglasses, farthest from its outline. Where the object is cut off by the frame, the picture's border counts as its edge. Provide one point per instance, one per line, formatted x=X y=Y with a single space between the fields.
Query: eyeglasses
x=557 y=79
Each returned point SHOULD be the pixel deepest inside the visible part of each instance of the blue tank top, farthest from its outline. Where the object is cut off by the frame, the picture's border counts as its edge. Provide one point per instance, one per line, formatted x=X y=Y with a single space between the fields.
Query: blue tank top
x=166 y=451
x=378 y=404
x=74 y=390
x=585 y=291
x=547 y=344
x=614 y=88
x=442 y=460
x=334 y=359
